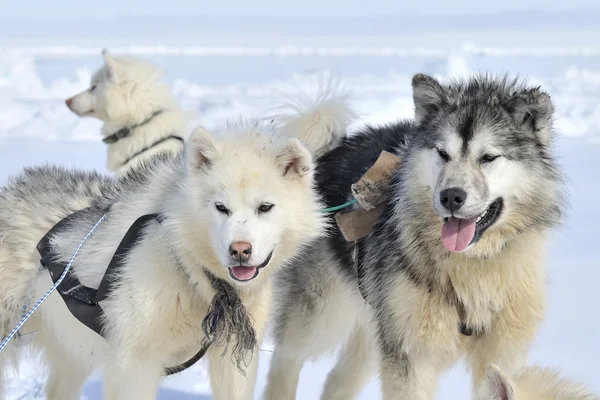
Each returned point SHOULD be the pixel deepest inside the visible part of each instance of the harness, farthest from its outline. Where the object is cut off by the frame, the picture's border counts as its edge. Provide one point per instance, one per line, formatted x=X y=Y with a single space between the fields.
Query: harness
x=126 y=131
x=170 y=137
x=83 y=302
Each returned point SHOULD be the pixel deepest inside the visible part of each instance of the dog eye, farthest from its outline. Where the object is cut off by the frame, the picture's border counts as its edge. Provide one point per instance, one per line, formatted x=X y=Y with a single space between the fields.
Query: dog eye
x=221 y=208
x=265 y=208
x=488 y=158
x=93 y=88
x=444 y=156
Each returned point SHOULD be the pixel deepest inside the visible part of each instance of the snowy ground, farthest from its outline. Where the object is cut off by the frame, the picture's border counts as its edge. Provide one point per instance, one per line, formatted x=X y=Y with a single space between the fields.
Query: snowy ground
x=229 y=78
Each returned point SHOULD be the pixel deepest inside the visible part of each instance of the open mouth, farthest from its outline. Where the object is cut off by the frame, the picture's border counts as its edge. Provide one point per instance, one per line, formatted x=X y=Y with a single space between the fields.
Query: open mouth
x=458 y=234
x=245 y=273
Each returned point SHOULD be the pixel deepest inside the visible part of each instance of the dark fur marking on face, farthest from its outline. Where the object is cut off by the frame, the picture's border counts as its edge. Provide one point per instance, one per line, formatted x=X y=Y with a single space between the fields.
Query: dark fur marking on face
x=466 y=130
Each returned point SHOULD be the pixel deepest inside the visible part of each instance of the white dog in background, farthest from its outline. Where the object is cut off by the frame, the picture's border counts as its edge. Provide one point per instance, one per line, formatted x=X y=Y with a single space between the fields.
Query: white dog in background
x=141 y=116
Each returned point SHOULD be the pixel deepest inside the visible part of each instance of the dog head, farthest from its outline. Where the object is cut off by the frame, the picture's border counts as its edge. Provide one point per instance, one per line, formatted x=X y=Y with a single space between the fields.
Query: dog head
x=255 y=198
x=530 y=383
x=481 y=161
x=124 y=90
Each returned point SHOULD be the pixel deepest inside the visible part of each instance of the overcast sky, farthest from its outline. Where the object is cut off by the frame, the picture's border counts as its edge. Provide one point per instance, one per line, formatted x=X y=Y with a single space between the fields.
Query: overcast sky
x=67 y=9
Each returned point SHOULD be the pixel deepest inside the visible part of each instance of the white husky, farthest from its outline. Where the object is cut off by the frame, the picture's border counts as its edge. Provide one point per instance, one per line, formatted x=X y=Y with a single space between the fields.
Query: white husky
x=140 y=114
x=532 y=383
x=227 y=213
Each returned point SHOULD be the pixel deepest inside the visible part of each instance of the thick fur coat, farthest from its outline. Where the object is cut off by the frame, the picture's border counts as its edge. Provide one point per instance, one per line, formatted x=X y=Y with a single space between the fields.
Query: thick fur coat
x=453 y=268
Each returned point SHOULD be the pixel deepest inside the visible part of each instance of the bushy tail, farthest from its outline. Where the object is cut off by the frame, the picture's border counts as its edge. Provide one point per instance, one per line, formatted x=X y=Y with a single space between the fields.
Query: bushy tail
x=319 y=121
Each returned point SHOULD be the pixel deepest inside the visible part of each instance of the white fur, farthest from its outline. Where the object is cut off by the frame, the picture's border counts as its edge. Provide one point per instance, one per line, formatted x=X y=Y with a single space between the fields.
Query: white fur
x=124 y=92
x=154 y=313
x=531 y=383
x=319 y=124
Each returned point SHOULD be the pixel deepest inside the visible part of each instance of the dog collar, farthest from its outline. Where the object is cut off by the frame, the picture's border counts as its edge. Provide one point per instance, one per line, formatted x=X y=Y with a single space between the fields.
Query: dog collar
x=126 y=131
x=145 y=149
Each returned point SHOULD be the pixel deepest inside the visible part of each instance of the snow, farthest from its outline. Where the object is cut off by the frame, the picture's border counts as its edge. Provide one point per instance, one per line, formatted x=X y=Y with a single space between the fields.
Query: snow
x=234 y=76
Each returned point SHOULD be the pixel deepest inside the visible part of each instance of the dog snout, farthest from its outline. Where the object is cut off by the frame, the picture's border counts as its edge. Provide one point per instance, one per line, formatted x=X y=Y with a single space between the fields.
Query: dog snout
x=453 y=199
x=68 y=102
x=240 y=251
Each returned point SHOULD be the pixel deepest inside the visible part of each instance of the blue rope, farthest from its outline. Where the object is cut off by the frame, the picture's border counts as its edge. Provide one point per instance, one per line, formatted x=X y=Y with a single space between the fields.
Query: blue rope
x=341 y=206
x=52 y=289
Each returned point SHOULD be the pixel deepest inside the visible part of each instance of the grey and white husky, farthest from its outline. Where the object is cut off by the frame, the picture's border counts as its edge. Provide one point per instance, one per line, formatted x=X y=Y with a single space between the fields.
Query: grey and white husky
x=454 y=266
x=232 y=211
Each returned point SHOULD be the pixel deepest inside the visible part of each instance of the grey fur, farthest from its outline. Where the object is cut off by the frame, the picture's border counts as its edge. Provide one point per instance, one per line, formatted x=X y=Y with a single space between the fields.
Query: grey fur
x=320 y=302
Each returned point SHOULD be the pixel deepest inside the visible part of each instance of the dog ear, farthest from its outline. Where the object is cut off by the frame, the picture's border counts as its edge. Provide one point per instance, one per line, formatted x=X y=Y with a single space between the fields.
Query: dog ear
x=111 y=65
x=202 y=149
x=428 y=96
x=497 y=386
x=533 y=109
x=295 y=160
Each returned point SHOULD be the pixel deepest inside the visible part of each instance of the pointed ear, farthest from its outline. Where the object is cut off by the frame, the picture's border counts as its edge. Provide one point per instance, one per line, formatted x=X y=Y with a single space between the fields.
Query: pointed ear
x=497 y=386
x=533 y=110
x=111 y=65
x=428 y=96
x=295 y=160
x=202 y=149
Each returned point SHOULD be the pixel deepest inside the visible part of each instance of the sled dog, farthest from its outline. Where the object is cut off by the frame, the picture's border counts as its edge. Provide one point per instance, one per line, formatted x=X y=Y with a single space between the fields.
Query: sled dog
x=218 y=220
x=140 y=115
x=453 y=267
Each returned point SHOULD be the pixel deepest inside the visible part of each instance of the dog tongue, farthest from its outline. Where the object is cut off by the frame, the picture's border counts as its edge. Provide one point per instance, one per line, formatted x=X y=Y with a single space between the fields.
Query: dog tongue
x=458 y=233
x=243 y=273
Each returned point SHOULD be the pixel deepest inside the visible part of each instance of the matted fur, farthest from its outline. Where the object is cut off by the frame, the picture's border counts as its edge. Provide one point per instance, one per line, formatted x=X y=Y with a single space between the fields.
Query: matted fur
x=417 y=290
x=154 y=315
x=126 y=91
x=532 y=383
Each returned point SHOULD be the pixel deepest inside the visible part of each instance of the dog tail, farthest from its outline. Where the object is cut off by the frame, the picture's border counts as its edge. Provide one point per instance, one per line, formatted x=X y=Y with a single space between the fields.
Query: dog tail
x=320 y=122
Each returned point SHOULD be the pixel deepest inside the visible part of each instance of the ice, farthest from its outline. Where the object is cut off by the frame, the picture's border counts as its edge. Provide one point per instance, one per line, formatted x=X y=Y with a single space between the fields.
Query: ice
x=229 y=78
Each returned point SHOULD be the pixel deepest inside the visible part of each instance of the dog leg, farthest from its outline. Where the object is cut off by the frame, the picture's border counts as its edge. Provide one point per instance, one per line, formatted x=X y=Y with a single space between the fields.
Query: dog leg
x=284 y=373
x=315 y=313
x=3 y=371
x=132 y=376
x=507 y=351
x=508 y=340
x=226 y=381
x=355 y=366
x=67 y=375
x=410 y=375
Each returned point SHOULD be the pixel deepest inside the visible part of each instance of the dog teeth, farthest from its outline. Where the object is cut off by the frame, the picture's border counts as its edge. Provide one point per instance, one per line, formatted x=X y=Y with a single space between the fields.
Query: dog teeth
x=482 y=216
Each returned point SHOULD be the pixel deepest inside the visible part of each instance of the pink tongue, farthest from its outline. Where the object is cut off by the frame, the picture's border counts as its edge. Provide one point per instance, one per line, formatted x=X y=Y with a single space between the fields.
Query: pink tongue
x=458 y=233
x=243 y=273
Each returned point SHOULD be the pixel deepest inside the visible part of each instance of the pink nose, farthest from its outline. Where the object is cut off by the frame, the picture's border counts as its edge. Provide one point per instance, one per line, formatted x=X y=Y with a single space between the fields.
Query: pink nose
x=240 y=251
x=68 y=102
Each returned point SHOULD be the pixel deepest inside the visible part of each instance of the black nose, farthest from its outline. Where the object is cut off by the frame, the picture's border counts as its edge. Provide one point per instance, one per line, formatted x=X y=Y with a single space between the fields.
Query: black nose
x=452 y=199
x=240 y=251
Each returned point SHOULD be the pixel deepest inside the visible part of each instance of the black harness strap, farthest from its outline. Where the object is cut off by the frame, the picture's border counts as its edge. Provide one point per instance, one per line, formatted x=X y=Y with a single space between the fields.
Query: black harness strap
x=360 y=273
x=126 y=131
x=82 y=301
x=152 y=146
x=79 y=299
